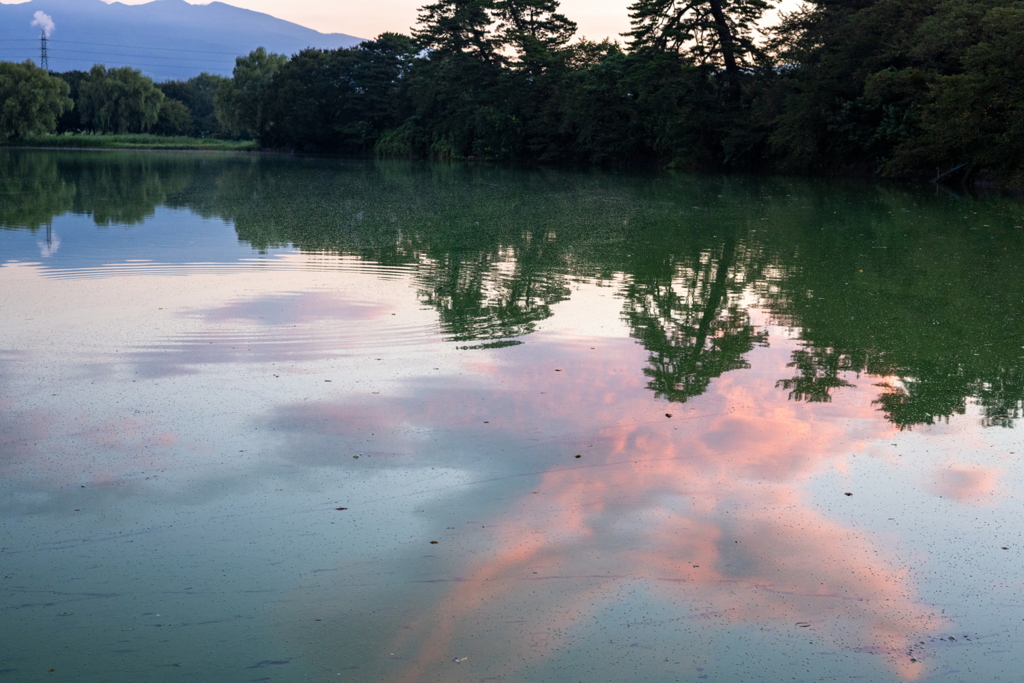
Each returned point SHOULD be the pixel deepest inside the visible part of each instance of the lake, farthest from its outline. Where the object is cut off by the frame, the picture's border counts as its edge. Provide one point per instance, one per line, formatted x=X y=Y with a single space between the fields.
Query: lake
x=285 y=419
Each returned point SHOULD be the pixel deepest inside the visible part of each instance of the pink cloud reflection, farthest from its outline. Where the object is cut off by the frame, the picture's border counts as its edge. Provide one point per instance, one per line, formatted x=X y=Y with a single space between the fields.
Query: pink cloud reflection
x=966 y=483
x=703 y=507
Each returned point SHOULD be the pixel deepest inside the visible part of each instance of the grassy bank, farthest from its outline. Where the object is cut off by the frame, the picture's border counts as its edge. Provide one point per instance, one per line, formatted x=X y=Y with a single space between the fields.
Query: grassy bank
x=133 y=141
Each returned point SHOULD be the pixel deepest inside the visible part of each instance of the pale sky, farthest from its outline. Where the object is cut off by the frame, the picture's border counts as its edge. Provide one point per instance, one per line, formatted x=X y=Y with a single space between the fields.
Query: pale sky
x=597 y=19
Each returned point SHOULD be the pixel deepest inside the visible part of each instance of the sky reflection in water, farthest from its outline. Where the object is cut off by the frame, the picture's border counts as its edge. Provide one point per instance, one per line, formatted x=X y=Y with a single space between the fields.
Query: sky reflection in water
x=216 y=353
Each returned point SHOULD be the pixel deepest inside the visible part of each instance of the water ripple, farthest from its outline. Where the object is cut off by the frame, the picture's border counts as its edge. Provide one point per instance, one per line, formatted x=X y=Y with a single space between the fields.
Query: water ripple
x=283 y=262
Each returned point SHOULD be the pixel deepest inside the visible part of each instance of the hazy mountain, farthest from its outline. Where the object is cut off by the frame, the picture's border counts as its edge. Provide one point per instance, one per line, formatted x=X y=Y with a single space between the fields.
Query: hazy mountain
x=165 y=39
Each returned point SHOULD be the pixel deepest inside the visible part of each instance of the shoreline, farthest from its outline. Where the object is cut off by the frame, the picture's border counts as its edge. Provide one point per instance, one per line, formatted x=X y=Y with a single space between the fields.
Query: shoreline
x=980 y=183
x=132 y=141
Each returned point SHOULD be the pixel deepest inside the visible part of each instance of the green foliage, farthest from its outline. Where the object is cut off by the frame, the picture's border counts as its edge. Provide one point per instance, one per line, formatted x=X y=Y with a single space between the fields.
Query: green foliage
x=174 y=119
x=241 y=103
x=397 y=142
x=599 y=121
x=197 y=93
x=118 y=100
x=71 y=119
x=683 y=116
x=459 y=27
x=34 y=190
x=340 y=100
x=715 y=32
x=535 y=30
x=901 y=87
x=31 y=100
x=976 y=116
x=112 y=188
x=458 y=108
x=872 y=87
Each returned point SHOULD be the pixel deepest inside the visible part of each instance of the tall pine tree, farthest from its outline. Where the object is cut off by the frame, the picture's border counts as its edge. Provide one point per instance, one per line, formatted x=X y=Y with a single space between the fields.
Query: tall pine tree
x=716 y=32
x=534 y=29
x=459 y=26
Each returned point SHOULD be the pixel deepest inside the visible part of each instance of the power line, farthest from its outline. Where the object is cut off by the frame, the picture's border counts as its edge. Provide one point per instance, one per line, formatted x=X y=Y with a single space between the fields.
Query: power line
x=102 y=58
x=134 y=47
x=58 y=53
x=210 y=68
x=142 y=47
x=89 y=56
x=137 y=64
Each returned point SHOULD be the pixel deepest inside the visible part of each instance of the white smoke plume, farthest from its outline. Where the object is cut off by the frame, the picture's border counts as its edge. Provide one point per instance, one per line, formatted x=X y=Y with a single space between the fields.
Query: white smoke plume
x=43 y=21
x=50 y=246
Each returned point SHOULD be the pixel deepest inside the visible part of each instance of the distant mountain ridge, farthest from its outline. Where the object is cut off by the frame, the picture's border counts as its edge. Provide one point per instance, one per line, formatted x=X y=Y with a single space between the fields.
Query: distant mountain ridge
x=165 y=39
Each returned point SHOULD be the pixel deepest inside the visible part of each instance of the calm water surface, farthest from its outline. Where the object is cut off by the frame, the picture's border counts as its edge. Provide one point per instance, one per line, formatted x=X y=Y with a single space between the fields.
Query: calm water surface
x=312 y=420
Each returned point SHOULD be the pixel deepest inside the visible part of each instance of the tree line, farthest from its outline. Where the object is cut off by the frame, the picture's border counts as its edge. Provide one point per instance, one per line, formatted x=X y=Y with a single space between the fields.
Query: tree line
x=899 y=88
x=101 y=100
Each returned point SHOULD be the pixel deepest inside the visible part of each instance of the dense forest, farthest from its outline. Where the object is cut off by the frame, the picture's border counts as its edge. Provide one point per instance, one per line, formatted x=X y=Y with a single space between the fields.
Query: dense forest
x=893 y=88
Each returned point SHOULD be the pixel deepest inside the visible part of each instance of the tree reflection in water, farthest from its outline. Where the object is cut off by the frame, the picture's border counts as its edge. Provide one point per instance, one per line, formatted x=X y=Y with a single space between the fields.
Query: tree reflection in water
x=875 y=281
x=819 y=375
x=697 y=333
